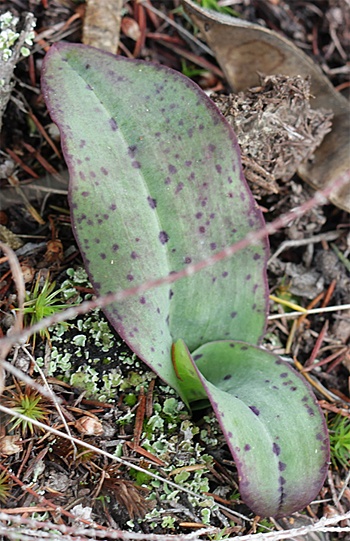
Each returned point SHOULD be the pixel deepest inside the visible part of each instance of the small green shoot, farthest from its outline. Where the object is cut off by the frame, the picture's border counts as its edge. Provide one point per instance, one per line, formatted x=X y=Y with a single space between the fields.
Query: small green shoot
x=190 y=71
x=41 y=304
x=265 y=525
x=339 y=435
x=4 y=486
x=27 y=402
x=213 y=4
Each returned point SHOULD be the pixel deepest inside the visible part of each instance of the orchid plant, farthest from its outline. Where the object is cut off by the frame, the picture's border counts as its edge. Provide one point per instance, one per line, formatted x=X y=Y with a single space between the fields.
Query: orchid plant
x=156 y=184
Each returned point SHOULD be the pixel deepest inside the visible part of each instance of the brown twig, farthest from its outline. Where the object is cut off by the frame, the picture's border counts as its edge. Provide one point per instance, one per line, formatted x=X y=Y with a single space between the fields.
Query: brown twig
x=317 y=345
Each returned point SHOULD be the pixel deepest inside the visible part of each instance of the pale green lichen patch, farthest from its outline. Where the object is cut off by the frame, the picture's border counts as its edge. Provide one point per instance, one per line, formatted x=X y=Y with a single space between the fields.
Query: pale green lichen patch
x=9 y=36
x=91 y=357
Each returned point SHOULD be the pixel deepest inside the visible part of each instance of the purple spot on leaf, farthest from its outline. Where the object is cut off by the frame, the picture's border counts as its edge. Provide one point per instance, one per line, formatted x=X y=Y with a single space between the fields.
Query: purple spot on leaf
x=255 y=410
x=199 y=215
x=143 y=300
x=136 y=164
x=228 y=376
x=242 y=196
x=103 y=256
x=284 y=375
x=85 y=194
x=190 y=133
x=172 y=169
x=179 y=187
x=152 y=202
x=163 y=237
x=113 y=124
x=115 y=247
x=104 y=171
x=276 y=449
x=256 y=257
x=247 y=447
x=233 y=314
x=187 y=260
x=130 y=277
x=282 y=466
x=224 y=274
x=133 y=255
x=196 y=357
x=202 y=229
x=248 y=277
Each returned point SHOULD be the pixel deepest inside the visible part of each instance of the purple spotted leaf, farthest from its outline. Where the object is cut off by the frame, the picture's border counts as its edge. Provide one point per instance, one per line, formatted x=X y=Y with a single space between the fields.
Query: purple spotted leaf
x=191 y=385
x=271 y=420
x=156 y=184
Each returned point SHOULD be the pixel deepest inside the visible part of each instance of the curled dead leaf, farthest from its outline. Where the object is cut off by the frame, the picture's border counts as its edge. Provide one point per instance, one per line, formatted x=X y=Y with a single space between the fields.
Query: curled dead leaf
x=88 y=426
x=243 y=49
x=10 y=445
x=130 y=28
x=102 y=24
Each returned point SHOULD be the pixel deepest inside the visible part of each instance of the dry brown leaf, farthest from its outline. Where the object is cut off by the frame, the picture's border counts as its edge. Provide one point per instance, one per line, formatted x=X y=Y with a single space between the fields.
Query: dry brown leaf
x=243 y=49
x=102 y=24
